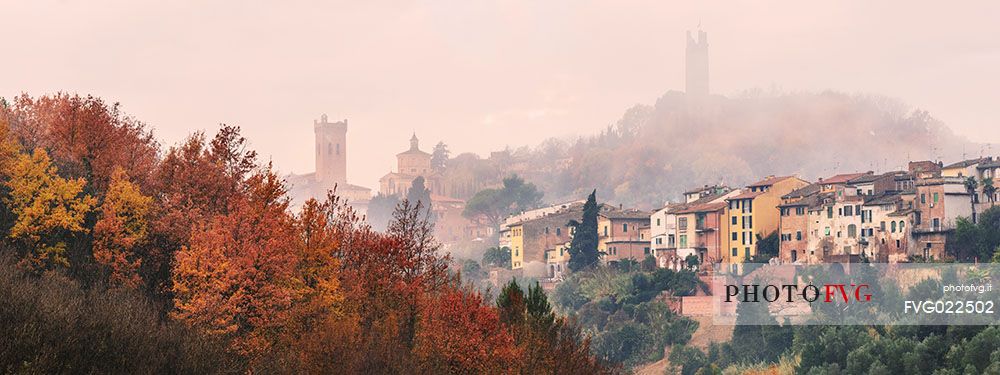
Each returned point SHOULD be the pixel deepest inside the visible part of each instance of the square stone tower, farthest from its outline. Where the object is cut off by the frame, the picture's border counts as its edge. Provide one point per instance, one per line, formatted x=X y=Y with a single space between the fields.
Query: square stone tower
x=331 y=151
x=696 y=67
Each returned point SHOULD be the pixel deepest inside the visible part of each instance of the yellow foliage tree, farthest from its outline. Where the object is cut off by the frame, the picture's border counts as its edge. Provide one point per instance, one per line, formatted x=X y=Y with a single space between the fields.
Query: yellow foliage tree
x=122 y=227
x=49 y=209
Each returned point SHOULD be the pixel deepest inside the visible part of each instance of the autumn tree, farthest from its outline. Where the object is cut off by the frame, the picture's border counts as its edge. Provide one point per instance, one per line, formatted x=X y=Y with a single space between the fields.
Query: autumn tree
x=86 y=137
x=196 y=181
x=459 y=333
x=237 y=278
x=49 y=210
x=122 y=229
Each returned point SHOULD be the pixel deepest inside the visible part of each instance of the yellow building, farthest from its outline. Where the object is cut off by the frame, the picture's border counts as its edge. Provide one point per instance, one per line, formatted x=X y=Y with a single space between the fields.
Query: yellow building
x=964 y=168
x=753 y=214
x=516 y=246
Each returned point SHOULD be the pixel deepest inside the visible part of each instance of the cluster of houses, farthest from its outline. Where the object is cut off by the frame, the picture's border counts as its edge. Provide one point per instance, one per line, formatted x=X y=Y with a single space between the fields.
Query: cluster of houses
x=896 y=216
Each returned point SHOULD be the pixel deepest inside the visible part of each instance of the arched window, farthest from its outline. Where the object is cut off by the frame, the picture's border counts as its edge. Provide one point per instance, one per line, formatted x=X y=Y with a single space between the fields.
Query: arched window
x=901 y=225
x=893 y=227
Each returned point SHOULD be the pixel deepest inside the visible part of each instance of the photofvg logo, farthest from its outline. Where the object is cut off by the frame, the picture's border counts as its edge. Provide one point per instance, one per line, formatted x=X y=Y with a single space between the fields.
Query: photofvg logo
x=852 y=294
x=792 y=292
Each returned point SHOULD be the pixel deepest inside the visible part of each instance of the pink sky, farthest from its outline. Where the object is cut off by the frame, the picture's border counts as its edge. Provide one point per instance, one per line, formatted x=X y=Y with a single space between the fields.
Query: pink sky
x=481 y=75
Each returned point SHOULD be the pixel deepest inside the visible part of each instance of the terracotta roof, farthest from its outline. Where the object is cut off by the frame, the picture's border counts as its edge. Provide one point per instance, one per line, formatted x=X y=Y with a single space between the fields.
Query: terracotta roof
x=885 y=198
x=706 y=187
x=705 y=207
x=803 y=191
x=746 y=195
x=624 y=214
x=865 y=178
x=966 y=163
x=771 y=180
x=842 y=178
x=808 y=201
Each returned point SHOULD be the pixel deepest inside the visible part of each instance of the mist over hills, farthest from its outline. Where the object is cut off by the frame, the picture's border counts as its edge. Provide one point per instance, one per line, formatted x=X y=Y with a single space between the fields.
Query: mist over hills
x=656 y=152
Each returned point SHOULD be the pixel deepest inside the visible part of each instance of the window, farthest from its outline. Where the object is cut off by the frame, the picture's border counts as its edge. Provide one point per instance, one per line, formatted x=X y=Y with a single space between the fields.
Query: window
x=897 y=244
x=657 y=221
x=798 y=235
x=893 y=227
x=734 y=251
x=682 y=223
x=937 y=223
x=747 y=252
x=559 y=231
x=829 y=212
x=645 y=250
x=605 y=231
x=901 y=225
x=659 y=240
x=827 y=231
x=935 y=198
x=684 y=241
x=338 y=149
x=624 y=228
x=735 y=236
x=881 y=226
x=734 y=220
x=852 y=231
x=923 y=198
x=849 y=211
x=800 y=211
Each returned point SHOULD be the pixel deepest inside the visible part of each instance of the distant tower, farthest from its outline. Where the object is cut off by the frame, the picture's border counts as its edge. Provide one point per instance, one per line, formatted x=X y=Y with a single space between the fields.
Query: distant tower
x=697 y=64
x=331 y=151
x=414 y=143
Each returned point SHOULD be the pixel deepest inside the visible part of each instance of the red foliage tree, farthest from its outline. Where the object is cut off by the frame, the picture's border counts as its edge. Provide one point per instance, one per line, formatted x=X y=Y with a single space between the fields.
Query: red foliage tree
x=459 y=333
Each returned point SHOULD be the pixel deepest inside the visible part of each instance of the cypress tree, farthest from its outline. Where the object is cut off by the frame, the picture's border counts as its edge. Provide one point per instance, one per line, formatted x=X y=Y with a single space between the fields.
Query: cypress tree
x=583 y=249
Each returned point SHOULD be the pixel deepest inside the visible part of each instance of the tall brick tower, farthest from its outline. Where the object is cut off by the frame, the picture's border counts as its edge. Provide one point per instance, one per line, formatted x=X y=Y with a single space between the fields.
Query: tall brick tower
x=696 y=68
x=331 y=151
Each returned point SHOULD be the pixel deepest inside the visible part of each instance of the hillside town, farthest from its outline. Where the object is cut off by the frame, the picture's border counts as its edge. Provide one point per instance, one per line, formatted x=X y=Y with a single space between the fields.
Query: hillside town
x=897 y=216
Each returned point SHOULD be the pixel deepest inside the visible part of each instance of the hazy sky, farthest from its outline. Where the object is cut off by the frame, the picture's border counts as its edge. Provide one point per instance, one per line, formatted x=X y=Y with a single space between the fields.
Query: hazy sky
x=482 y=74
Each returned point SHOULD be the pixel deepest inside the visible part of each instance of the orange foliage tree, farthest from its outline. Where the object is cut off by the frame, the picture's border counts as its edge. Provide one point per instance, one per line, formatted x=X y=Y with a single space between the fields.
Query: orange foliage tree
x=238 y=276
x=121 y=229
